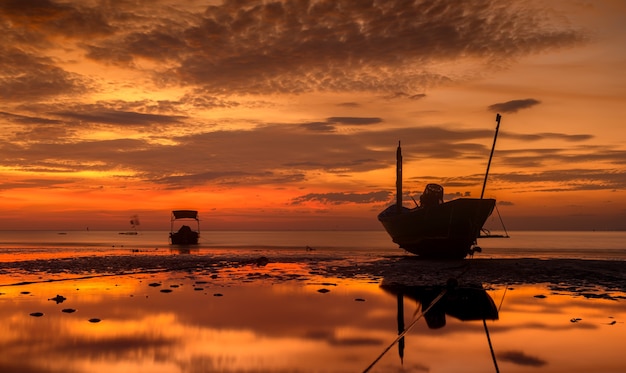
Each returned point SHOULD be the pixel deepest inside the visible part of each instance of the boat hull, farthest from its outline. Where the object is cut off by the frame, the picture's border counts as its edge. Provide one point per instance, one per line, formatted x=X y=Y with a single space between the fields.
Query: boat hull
x=184 y=236
x=444 y=231
x=188 y=239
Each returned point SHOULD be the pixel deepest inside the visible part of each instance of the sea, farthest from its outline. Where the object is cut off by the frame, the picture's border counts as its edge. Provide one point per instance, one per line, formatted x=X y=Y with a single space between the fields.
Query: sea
x=517 y=244
x=204 y=321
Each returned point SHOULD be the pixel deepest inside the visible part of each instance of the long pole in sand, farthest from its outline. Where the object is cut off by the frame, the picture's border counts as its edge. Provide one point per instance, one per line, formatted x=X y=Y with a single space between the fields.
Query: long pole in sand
x=495 y=137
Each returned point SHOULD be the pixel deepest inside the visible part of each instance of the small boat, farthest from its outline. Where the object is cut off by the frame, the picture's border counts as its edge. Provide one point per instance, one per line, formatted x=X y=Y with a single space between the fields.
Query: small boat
x=134 y=223
x=185 y=235
x=436 y=229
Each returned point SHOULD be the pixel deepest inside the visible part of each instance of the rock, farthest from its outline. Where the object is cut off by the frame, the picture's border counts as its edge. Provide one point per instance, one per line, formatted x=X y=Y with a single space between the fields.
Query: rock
x=58 y=299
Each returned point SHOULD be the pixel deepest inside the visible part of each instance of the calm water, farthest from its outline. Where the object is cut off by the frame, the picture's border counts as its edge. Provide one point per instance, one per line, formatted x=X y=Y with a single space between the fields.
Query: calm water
x=588 y=245
x=211 y=321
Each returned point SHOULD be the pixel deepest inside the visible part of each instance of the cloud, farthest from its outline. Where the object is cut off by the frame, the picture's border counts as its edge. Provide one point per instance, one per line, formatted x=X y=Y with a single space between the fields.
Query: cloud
x=120 y=117
x=291 y=46
x=339 y=198
x=46 y=17
x=550 y=136
x=520 y=358
x=571 y=179
x=513 y=106
x=228 y=157
x=353 y=121
x=330 y=124
x=26 y=77
x=25 y=119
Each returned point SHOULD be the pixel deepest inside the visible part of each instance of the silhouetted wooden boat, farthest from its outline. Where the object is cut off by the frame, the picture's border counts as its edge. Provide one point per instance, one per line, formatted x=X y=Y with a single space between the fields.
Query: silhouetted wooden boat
x=434 y=228
x=185 y=235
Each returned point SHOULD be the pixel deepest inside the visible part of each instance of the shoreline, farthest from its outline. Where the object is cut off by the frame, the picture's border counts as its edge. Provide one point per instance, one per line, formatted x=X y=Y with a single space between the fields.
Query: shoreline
x=588 y=277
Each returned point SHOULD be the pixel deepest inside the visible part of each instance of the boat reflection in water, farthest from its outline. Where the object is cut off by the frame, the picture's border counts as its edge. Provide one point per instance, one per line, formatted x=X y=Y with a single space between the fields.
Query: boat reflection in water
x=463 y=303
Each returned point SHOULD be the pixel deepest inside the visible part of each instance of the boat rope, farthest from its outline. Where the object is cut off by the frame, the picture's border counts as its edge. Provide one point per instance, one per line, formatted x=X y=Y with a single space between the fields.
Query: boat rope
x=506 y=234
x=406 y=330
x=506 y=287
x=493 y=354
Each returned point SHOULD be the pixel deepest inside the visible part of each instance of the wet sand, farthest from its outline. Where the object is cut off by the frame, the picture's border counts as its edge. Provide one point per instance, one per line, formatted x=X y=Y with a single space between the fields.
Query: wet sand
x=590 y=278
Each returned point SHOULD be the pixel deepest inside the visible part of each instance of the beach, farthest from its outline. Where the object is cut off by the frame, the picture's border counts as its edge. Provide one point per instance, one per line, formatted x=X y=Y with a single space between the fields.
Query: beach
x=304 y=309
x=578 y=275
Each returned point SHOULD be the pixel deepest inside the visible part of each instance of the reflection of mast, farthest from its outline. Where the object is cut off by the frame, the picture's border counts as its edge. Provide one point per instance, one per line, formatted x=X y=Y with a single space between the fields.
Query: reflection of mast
x=401 y=326
x=493 y=355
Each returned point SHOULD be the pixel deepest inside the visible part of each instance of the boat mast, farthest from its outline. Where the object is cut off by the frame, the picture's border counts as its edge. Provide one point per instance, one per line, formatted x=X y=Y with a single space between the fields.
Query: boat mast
x=498 y=117
x=399 y=179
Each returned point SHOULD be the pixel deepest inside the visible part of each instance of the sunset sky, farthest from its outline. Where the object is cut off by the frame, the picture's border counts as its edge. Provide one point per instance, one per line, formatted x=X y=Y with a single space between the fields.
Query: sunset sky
x=287 y=114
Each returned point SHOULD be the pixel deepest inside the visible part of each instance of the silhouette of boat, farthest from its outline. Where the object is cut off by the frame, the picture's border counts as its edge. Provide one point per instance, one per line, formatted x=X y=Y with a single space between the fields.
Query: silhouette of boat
x=134 y=223
x=463 y=303
x=434 y=228
x=436 y=301
x=185 y=235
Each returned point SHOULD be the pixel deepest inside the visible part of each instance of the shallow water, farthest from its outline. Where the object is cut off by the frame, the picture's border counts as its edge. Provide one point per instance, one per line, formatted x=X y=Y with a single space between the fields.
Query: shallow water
x=208 y=322
x=533 y=244
x=287 y=316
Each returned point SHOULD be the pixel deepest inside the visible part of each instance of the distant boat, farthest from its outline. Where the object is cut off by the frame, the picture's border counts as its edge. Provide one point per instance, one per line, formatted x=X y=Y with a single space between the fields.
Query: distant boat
x=185 y=235
x=434 y=228
x=134 y=223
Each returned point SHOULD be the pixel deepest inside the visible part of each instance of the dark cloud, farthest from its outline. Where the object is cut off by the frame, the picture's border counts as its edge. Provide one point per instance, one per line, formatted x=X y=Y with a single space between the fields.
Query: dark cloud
x=349 y=104
x=26 y=77
x=353 y=121
x=538 y=157
x=288 y=46
x=120 y=117
x=549 y=136
x=397 y=95
x=513 y=106
x=520 y=358
x=319 y=127
x=340 y=198
x=24 y=119
x=570 y=179
x=293 y=46
x=297 y=46
x=330 y=124
x=228 y=157
x=52 y=18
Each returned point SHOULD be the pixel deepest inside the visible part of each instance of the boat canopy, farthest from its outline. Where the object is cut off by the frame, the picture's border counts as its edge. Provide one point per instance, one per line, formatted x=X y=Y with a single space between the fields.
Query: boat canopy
x=432 y=196
x=185 y=214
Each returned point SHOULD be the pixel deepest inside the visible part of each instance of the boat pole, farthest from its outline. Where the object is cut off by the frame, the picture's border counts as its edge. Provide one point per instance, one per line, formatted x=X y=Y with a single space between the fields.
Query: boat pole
x=495 y=137
x=399 y=179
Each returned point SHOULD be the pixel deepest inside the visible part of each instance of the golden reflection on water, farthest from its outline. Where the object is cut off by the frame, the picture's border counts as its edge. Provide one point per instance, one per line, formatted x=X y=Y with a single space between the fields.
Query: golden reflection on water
x=207 y=324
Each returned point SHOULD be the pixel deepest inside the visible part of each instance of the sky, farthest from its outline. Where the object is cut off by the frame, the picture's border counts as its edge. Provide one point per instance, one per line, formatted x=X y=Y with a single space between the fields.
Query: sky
x=277 y=115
